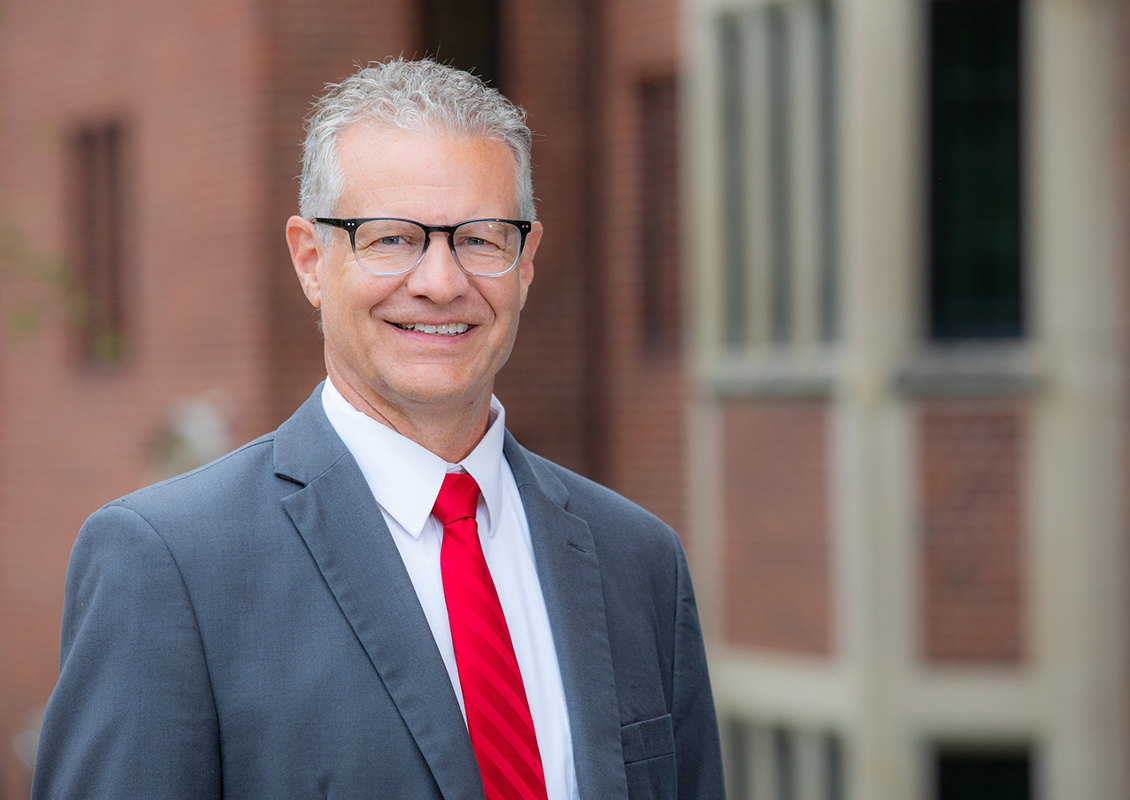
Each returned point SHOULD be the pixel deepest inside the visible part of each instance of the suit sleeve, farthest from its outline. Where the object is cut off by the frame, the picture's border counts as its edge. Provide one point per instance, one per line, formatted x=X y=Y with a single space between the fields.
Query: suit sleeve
x=133 y=712
x=698 y=753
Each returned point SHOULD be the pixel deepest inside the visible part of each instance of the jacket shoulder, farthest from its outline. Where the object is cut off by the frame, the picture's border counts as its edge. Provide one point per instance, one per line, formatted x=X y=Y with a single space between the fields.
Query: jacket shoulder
x=211 y=503
x=210 y=482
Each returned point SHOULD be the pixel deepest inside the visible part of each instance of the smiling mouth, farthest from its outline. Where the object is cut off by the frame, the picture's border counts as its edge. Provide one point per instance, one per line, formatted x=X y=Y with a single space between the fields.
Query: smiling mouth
x=450 y=329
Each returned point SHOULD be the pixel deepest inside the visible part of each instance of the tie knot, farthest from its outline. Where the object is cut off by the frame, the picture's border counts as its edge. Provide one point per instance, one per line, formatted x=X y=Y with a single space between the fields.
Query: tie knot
x=458 y=498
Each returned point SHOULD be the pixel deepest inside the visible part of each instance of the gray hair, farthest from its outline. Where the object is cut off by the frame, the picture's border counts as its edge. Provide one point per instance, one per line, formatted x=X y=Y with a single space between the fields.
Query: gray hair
x=414 y=96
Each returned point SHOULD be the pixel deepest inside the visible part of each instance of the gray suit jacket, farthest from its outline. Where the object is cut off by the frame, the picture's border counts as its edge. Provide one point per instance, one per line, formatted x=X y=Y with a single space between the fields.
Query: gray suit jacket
x=248 y=630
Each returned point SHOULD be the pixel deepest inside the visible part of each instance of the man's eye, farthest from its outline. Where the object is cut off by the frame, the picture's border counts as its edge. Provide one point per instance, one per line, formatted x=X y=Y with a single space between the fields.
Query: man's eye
x=391 y=241
x=477 y=242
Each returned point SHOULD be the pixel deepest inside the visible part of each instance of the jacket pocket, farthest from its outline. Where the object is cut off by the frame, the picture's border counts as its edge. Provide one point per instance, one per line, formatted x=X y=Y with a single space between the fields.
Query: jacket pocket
x=649 y=759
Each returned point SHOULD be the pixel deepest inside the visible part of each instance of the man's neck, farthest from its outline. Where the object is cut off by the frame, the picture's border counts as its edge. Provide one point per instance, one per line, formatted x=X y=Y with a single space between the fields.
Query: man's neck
x=450 y=434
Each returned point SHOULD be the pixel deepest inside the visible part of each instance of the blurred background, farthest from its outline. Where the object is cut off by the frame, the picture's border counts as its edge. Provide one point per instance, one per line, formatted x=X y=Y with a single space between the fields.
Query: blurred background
x=835 y=287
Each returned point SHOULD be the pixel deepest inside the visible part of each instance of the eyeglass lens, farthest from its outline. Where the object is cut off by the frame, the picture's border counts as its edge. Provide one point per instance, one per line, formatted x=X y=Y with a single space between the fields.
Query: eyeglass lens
x=392 y=246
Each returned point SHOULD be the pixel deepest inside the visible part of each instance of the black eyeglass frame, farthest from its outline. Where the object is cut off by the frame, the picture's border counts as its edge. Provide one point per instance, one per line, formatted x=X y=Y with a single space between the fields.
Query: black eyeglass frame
x=351 y=225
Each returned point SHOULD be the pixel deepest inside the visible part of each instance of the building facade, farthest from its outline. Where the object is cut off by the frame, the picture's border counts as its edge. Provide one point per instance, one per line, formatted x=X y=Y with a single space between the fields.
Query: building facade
x=150 y=317
x=908 y=448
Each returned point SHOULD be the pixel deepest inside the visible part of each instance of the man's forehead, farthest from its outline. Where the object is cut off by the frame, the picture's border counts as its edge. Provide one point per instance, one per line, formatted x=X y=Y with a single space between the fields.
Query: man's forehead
x=383 y=164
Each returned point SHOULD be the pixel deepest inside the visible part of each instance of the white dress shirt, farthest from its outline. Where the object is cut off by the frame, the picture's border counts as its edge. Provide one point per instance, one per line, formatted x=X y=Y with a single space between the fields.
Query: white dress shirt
x=405 y=479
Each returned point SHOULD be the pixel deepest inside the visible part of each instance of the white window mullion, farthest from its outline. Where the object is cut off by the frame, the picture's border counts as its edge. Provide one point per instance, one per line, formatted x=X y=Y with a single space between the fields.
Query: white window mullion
x=764 y=770
x=811 y=754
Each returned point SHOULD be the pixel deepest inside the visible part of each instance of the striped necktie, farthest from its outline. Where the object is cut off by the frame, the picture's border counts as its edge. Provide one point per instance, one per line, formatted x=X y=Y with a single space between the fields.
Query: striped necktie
x=498 y=715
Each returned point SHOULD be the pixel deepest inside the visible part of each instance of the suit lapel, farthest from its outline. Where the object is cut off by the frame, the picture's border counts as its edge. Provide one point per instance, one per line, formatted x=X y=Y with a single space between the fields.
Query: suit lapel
x=339 y=520
x=569 y=572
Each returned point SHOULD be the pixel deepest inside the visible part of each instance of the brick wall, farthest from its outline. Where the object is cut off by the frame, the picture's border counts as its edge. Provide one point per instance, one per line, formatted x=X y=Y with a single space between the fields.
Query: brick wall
x=544 y=385
x=971 y=454
x=212 y=96
x=308 y=44
x=777 y=571
x=645 y=386
x=182 y=80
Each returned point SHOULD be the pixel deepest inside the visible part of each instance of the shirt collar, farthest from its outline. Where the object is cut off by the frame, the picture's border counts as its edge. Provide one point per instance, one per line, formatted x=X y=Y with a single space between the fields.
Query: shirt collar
x=405 y=477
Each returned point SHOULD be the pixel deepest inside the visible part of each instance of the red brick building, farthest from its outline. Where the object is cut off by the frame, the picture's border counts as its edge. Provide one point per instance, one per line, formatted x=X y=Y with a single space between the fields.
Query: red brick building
x=151 y=319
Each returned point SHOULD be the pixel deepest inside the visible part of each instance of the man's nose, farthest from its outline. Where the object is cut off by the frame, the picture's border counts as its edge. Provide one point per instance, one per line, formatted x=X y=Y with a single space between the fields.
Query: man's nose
x=438 y=276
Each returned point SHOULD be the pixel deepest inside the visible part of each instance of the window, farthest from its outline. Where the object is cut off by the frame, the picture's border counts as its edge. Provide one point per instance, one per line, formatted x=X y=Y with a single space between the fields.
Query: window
x=97 y=237
x=659 y=226
x=975 y=175
x=983 y=775
x=464 y=34
x=779 y=216
x=775 y=762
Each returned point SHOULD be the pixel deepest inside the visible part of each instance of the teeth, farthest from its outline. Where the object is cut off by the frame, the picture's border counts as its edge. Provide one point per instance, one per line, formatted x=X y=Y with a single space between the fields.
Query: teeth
x=451 y=329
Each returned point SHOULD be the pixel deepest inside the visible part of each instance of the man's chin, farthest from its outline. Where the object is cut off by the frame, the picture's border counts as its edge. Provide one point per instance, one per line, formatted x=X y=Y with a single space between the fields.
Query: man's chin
x=435 y=392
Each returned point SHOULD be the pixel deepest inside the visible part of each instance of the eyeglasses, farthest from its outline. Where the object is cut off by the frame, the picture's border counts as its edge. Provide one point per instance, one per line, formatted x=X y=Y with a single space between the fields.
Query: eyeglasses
x=488 y=247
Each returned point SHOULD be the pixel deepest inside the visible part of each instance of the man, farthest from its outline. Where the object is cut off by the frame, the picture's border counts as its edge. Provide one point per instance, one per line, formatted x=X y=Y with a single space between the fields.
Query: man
x=388 y=597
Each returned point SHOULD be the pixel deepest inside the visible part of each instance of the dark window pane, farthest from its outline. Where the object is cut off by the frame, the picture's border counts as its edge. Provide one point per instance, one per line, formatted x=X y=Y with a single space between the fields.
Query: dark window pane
x=659 y=227
x=464 y=34
x=834 y=753
x=785 y=757
x=975 y=169
x=966 y=775
x=737 y=773
x=97 y=241
x=734 y=276
x=780 y=198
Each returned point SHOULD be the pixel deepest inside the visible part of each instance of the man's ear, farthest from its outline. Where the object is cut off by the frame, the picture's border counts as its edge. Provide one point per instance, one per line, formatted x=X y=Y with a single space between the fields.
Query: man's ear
x=306 y=253
x=526 y=263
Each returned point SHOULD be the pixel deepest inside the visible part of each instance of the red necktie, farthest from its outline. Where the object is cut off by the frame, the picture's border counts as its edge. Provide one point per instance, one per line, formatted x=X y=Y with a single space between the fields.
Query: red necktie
x=498 y=715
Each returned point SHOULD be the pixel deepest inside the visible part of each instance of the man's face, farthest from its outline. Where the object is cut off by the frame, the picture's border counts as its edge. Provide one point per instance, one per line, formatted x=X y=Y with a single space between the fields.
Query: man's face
x=436 y=180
